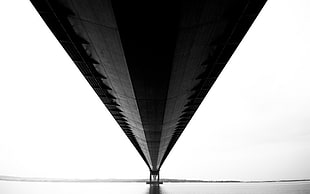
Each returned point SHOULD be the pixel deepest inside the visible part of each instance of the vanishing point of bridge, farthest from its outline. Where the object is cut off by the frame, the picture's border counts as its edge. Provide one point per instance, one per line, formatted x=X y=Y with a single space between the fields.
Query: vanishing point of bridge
x=150 y=62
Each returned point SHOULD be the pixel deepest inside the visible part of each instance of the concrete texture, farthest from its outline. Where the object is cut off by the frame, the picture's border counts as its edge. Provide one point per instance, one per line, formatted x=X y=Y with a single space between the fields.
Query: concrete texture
x=150 y=62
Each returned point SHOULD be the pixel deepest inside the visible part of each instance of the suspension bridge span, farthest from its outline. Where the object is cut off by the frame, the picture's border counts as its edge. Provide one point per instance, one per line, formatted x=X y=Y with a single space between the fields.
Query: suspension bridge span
x=150 y=62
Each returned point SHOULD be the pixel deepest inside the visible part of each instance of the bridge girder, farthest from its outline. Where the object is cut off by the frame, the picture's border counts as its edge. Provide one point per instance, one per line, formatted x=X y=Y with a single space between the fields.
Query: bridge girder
x=150 y=62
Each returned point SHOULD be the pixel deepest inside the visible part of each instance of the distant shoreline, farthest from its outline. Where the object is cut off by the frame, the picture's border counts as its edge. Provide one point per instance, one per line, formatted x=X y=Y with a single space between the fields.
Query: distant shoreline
x=30 y=179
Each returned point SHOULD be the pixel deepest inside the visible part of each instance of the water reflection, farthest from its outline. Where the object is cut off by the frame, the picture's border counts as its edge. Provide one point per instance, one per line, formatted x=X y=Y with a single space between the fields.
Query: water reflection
x=12 y=187
x=155 y=189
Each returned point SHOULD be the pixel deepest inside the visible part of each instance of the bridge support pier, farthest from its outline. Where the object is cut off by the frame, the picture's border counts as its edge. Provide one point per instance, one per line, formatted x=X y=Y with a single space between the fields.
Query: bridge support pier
x=154 y=178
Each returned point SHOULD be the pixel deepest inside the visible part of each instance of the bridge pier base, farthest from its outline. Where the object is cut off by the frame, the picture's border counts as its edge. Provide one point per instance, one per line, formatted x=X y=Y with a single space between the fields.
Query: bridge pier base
x=154 y=178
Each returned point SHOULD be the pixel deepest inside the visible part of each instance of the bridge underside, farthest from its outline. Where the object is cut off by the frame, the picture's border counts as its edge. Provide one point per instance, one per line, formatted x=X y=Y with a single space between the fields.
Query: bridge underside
x=150 y=62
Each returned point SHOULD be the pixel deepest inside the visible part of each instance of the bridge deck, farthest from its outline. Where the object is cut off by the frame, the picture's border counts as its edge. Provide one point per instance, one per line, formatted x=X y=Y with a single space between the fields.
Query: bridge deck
x=150 y=62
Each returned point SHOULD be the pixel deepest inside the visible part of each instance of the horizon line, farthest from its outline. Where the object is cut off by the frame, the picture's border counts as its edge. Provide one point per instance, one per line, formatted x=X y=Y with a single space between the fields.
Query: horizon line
x=40 y=179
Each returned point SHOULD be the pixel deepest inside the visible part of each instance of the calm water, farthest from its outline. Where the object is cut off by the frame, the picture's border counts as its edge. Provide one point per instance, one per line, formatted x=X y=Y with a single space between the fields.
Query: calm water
x=141 y=188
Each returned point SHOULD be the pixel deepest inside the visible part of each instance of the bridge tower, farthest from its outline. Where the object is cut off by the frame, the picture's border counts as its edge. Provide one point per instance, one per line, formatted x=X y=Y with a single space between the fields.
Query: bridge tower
x=154 y=178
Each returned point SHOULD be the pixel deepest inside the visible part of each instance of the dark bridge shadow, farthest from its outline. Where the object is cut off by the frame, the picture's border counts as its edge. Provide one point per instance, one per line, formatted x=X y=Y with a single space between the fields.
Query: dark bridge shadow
x=155 y=189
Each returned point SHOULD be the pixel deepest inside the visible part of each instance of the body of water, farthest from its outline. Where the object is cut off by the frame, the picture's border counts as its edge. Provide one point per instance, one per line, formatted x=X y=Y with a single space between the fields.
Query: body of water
x=7 y=187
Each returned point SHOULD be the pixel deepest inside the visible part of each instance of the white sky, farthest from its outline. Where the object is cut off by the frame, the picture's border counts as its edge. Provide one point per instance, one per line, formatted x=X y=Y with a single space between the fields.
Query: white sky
x=254 y=124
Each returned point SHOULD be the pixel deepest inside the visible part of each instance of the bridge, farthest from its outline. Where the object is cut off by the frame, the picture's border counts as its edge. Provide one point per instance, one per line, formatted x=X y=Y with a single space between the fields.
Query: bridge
x=150 y=62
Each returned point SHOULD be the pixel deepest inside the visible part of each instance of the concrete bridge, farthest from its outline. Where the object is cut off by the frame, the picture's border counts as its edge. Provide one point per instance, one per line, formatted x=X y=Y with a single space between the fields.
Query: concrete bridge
x=150 y=62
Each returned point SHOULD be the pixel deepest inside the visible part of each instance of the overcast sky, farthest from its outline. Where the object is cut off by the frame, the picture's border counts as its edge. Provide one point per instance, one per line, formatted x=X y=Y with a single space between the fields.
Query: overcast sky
x=253 y=125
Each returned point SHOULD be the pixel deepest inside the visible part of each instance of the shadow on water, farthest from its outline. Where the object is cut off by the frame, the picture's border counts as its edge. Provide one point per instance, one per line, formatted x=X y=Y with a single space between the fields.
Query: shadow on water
x=155 y=189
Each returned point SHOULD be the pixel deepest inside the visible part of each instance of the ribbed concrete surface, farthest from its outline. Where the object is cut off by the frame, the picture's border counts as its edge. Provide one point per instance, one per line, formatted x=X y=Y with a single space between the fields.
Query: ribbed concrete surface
x=150 y=62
